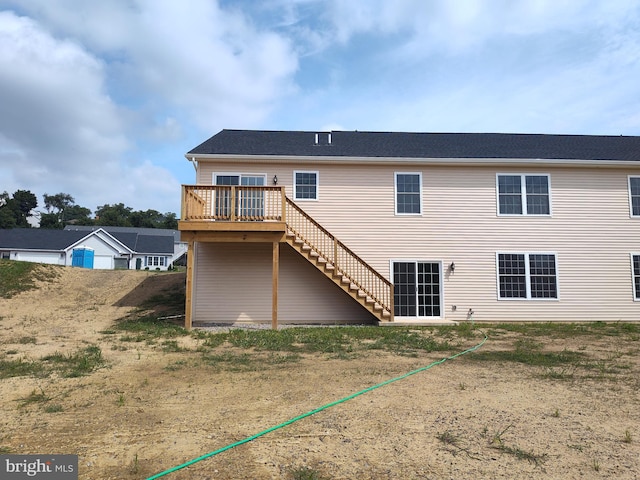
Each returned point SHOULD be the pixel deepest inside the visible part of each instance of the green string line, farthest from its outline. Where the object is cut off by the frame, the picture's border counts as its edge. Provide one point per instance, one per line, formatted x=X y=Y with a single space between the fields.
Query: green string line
x=313 y=412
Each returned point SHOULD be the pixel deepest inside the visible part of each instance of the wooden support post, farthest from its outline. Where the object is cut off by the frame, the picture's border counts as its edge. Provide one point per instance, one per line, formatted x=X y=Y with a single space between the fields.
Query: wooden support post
x=274 y=285
x=232 y=213
x=188 y=307
x=283 y=199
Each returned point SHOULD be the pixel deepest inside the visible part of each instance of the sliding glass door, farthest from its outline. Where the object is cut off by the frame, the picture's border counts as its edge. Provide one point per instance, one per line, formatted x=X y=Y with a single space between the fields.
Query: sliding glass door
x=417 y=289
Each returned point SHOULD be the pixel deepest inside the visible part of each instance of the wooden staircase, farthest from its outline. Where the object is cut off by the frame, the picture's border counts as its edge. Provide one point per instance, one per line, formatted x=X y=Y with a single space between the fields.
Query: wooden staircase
x=212 y=212
x=338 y=263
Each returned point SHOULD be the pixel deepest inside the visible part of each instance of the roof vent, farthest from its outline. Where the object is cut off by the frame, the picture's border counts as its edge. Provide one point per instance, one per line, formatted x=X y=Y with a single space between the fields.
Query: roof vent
x=323 y=138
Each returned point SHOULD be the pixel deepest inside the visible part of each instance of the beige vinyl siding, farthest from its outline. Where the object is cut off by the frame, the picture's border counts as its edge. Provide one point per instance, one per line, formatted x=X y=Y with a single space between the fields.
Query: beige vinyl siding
x=233 y=284
x=590 y=232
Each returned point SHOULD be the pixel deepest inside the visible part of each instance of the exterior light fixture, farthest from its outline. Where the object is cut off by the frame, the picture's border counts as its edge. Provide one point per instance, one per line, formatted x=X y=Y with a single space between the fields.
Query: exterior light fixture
x=275 y=179
x=452 y=267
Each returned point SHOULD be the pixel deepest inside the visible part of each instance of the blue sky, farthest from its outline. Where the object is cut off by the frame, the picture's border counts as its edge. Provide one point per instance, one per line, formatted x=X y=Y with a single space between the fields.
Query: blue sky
x=102 y=100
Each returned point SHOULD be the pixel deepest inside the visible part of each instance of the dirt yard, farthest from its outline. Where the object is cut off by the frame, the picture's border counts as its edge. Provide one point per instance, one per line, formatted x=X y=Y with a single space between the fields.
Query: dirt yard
x=149 y=409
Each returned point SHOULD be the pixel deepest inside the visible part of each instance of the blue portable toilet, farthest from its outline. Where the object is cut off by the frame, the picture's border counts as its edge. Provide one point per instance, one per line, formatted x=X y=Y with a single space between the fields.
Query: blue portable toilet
x=82 y=257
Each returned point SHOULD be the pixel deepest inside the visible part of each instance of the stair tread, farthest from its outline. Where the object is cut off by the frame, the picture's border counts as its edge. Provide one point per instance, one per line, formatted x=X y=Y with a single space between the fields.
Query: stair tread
x=327 y=267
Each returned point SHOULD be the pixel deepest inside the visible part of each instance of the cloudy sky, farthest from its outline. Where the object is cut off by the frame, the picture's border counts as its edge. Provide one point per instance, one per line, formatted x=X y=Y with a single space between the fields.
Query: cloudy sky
x=102 y=99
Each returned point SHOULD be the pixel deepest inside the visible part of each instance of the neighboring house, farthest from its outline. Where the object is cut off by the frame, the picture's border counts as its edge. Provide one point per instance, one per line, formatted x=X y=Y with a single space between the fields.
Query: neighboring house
x=179 y=247
x=97 y=249
x=354 y=227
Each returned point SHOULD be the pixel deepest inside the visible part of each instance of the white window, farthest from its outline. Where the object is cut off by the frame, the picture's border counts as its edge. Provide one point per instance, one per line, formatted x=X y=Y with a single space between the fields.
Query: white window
x=523 y=194
x=408 y=193
x=635 y=275
x=249 y=202
x=527 y=276
x=634 y=196
x=305 y=185
x=152 y=261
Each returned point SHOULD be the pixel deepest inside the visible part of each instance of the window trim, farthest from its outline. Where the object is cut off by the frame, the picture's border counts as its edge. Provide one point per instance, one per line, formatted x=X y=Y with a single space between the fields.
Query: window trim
x=295 y=186
x=236 y=174
x=523 y=194
x=527 y=274
x=629 y=177
x=395 y=194
x=636 y=297
x=155 y=261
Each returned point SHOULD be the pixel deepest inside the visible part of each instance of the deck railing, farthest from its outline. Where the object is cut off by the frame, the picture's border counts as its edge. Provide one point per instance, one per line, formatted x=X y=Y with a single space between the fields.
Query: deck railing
x=239 y=203
x=235 y=203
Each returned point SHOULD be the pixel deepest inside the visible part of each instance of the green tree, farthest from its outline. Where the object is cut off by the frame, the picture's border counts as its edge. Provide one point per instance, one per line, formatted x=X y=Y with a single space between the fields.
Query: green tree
x=121 y=216
x=113 y=215
x=14 y=211
x=170 y=221
x=62 y=210
x=77 y=215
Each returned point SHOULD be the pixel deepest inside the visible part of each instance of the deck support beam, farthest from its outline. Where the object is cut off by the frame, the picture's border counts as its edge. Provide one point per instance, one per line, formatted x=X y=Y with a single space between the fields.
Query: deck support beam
x=274 y=285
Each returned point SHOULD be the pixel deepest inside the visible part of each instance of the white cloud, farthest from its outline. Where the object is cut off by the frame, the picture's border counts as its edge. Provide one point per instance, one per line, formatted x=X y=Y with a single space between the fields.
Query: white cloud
x=90 y=84
x=210 y=62
x=61 y=132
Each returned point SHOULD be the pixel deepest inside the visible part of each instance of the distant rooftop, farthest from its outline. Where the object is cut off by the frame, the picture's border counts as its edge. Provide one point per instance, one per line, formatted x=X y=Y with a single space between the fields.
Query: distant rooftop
x=137 y=230
x=420 y=145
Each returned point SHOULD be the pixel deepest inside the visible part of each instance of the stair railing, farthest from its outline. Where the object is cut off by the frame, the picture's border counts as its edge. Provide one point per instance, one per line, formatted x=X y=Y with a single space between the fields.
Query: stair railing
x=345 y=262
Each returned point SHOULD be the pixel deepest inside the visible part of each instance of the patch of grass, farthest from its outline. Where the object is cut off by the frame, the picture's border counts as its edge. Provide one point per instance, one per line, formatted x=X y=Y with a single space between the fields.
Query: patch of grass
x=24 y=340
x=462 y=330
x=33 y=397
x=171 y=346
x=529 y=357
x=21 y=276
x=178 y=365
x=447 y=438
x=570 y=330
x=234 y=362
x=536 y=459
x=627 y=436
x=5 y=450
x=338 y=340
x=498 y=443
x=213 y=340
x=559 y=373
x=148 y=329
x=76 y=364
x=277 y=359
x=18 y=368
x=53 y=408
x=306 y=473
x=135 y=465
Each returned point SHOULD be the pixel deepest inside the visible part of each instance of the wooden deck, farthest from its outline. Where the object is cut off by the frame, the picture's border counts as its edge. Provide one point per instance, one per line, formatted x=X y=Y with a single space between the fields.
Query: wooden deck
x=229 y=213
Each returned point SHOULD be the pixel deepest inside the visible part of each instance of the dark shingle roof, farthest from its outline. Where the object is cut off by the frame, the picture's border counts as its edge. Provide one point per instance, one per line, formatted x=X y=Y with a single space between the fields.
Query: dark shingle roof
x=151 y=243
x=421 y=145
x=139 y=230
x=43 y=239
x=38 y=238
